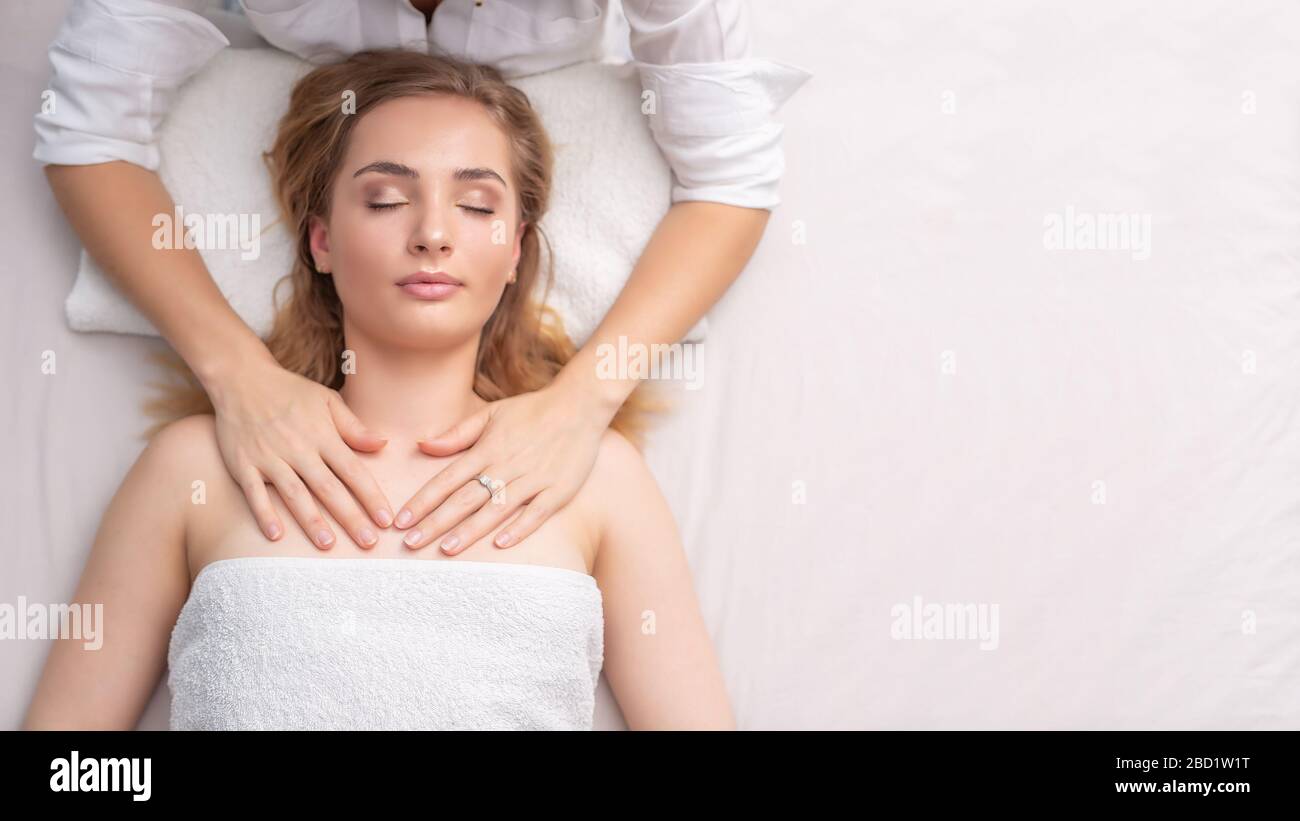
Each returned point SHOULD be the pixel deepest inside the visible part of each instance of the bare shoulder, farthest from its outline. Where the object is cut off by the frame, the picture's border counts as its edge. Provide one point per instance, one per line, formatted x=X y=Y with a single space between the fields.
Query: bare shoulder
x=186 y=444
x=183 y=453
x=619 y=465
x=191 y=478
x=619 y=452
x=622 y=487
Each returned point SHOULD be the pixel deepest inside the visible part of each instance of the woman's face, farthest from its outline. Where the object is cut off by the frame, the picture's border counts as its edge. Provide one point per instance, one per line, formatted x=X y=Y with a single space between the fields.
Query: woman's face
x=425 y=191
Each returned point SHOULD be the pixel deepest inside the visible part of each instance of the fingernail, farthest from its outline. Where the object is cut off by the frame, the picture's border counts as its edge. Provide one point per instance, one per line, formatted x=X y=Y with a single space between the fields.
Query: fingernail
x=449 y=543
x=412 y=537
x=503 y=539
x=274 y=530
x=367 y=536
x=325 y=537
x=385 y=518
x=404 y=518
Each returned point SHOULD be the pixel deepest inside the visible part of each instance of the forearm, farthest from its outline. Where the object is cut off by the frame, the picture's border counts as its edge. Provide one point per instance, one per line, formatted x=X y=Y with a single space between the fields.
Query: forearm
x=696 y=252
x=111 y=207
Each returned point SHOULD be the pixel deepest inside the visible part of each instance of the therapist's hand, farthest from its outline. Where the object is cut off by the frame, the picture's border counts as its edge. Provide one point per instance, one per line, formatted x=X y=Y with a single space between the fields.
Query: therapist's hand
x=542 y=445
x=277 y=427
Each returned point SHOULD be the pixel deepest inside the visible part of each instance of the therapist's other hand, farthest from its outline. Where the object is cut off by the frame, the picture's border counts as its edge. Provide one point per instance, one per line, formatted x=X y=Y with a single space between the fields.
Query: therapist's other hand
x=277 y=427
x=542 y=445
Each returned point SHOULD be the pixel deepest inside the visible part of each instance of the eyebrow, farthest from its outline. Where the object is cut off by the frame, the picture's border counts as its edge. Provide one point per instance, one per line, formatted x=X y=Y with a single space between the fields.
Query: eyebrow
x=400 y=170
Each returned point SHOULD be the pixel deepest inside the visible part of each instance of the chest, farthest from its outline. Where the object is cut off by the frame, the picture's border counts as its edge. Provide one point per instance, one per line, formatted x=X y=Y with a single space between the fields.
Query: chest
x=221 y=525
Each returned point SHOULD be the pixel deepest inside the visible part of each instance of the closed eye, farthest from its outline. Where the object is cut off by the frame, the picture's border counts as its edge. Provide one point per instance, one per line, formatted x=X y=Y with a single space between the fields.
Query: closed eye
x=385 y=206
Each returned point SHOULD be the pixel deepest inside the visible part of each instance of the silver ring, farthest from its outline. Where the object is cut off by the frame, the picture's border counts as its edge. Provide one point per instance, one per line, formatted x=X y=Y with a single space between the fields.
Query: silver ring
x=486 y=482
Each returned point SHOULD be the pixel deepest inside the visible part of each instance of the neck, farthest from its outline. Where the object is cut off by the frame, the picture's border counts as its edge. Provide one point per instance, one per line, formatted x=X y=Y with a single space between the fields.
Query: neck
x=406 y=394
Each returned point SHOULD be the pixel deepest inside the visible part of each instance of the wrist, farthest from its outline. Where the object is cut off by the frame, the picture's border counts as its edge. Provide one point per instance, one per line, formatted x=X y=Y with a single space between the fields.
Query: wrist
x=582 y=380
x=221 y=367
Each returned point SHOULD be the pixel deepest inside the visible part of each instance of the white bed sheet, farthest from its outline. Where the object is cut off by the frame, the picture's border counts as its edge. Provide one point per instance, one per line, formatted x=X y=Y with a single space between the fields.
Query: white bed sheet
x=947 y=390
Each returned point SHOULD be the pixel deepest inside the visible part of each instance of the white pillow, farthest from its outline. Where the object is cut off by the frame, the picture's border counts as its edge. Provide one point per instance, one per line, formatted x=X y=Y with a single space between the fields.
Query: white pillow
x=611 y=187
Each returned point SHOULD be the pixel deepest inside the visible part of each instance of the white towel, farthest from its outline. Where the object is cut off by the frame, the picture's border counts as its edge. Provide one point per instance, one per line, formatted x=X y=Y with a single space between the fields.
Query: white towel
x=611 y=187
x=280 y=643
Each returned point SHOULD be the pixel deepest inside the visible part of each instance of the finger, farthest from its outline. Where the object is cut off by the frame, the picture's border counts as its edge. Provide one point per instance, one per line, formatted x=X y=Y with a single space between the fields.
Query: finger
x=339 y=502
x=462 y=504
x=254 y=487
x=361 y=482
x=534 y=514
x=355 y=434
x=476 y=527
x=303 y=507
x=450 y=479
x=460 y=436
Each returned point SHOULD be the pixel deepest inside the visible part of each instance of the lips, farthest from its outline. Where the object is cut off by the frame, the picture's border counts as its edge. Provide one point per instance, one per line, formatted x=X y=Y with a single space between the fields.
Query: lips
x=429 y=276
x=433 y=285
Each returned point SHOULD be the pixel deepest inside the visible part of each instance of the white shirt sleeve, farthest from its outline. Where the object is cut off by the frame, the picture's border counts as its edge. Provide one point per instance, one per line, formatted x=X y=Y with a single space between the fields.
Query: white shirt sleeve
x=116 y=66
x=713 y=103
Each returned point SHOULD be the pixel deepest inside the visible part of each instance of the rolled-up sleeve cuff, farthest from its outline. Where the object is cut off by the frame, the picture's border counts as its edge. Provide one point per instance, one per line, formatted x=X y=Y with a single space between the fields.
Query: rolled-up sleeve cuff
x=714 y=123
x=116 y=65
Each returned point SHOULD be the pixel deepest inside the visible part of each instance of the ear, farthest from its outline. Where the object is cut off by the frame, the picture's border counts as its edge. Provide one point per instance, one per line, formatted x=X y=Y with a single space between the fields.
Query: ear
x=318 y=235
x=519 y=243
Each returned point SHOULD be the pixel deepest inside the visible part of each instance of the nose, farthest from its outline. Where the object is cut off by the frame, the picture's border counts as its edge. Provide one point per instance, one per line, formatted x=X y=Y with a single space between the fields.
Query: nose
x=432 y=233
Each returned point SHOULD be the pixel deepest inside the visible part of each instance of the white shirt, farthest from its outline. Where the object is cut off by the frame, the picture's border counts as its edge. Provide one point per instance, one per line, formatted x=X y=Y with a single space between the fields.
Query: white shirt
x=117 y=64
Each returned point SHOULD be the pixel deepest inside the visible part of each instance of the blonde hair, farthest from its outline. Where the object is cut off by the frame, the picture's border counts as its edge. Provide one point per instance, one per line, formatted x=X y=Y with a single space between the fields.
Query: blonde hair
x=523 y=344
